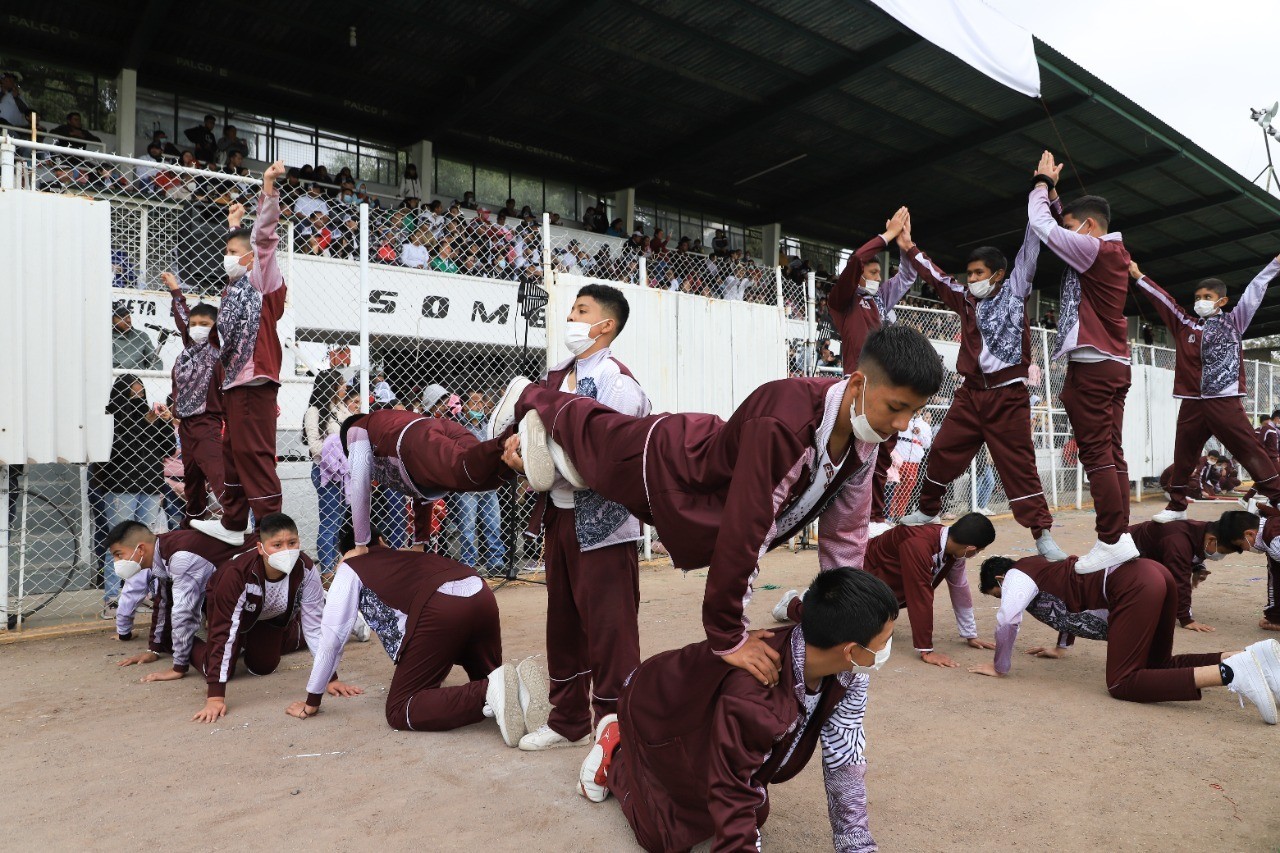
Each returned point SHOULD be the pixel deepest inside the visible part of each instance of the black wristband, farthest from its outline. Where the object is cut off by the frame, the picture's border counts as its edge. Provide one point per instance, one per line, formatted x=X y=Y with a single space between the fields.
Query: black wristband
x=1041 y=178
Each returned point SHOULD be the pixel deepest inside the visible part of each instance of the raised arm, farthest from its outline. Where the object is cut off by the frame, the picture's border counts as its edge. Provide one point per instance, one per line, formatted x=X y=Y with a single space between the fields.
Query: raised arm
x=950 y=291
x=181 y=314
x=844 y=295
x=1023 y=273
x=265 y=275
x=844 y=769
x=1242 y=315
x=1173 y=315
x=1079 y=251
x=360 y=486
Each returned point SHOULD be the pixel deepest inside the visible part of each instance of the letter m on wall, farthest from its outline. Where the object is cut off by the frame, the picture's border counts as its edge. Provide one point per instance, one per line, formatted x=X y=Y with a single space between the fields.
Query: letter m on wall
x=479 y=312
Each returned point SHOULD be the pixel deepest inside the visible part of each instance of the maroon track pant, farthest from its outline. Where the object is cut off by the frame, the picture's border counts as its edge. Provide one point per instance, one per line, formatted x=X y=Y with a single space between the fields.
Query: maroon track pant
x=1223 y=417
x=1093 y=395
x=202 y=455
x=261 y=646
x=1141 y=667
x=1000 y=418
x=451 y=631
x=884 y=459
x=249 y=455
x=593 y=639
x=441 y=455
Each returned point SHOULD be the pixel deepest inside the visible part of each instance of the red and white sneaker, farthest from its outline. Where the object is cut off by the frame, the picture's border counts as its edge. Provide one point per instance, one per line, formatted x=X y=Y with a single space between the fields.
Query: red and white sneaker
x=595 y=769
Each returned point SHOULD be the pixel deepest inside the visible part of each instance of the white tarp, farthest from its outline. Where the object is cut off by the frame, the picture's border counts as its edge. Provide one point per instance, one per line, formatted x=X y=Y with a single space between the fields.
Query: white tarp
x=975 y=33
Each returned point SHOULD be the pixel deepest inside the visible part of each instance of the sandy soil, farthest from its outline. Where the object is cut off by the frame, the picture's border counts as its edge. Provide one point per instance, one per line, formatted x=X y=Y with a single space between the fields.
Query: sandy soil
x=1044 y=759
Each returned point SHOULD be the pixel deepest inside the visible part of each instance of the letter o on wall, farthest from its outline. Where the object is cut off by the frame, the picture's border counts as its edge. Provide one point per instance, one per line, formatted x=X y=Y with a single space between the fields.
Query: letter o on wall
x=435 y=307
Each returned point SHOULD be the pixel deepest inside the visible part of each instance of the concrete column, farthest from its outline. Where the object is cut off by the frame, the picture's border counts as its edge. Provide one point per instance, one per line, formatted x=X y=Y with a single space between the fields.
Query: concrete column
x=625 y=206
x=127 y=112
x=421 y=156
x=770 y=239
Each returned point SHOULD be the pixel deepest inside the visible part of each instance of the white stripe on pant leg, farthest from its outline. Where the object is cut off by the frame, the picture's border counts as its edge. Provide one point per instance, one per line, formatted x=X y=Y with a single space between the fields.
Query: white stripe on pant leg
x=264 y=497
x=1099 y=468
x=570 y=678
x=406 y=714
x=935 y=482
x=1025 y=497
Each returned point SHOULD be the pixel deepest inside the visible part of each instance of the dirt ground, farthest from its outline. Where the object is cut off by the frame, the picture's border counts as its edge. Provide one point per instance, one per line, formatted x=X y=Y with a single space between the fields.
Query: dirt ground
x=1043 y=759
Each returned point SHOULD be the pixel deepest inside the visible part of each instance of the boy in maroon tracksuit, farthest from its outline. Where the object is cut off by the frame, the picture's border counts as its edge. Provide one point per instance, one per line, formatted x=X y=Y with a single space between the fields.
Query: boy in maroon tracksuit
x=1136 y=605
x=859 y=305
x=722 y=494
x=1269 y=436
x=197 y=400
x=1268 y=542
x=694 y=746
x=431 y=614
x=262 y=604
x=1209 y=378
x=251 y=306
x=1183 y=546
x=992 y=406
x=1092 y=335
x=915 y=560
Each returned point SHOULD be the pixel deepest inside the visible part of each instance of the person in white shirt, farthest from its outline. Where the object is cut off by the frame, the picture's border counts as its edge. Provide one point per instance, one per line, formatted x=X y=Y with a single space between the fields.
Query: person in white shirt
x=913 y=445
x=414 y=253
x=410 y=186
x=312 y=202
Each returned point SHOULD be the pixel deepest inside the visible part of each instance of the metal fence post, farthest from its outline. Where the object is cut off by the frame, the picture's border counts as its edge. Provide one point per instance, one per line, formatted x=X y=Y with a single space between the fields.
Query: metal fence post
x=7 y=151
x=644 y=271
x=4 y=504
x=973 y=483
x=365 y=356
x=811 y=323
x=143 y=224
x=546 y=249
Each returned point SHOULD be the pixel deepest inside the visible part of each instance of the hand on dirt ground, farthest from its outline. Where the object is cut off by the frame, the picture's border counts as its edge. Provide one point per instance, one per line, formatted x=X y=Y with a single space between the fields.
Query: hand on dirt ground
x=214 y=707
x=1047 y=652
x=1199 y=626
x=141 y=657
x=511 y=454
x=975 y=643
x=937 y=659
x=302 y=710
x=338 y=688
x=166 y=675
x=985 y=669
x=757 y=658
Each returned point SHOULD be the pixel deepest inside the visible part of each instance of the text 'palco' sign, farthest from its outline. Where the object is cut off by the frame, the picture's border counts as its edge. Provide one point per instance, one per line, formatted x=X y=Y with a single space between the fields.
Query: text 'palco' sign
x=411 y=304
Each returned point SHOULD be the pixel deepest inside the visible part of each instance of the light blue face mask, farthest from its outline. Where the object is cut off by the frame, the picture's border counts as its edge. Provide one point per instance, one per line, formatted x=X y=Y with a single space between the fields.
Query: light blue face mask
x=476 y=414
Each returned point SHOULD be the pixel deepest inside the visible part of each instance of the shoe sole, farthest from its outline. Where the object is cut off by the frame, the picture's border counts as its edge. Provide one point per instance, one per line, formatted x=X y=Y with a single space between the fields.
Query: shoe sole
x=587 y=776
x=779 y=612
x=1268 y=711
x=535 y=690
x=539 y=467
x=565 y=467
x=509 y=717
x=1267 y=654
x=217 y=531
x=504 y=413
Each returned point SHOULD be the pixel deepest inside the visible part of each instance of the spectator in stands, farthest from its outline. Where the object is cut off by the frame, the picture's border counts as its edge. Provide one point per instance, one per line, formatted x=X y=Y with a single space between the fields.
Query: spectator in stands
x=319 y=235
x=324 y=416
x=827 y=358
x=720 y=244
x=122 y=272
x=132 y=479
x=311 y=203
x=107 y=180
x=509 y=209
x=599 y=220
x=13 y=110
x=1049 y=320
x=201 y=136
x=180 y=186
x=1148 y=334
x=326 y=182
x=735 y=284
x=344 y=175
x=617 y=229
x=147 y=175
x=469 y=200
x=346 y=242
x=409 y=183
x=235 y=163
x=382 y=393
x=352 y=402
x=658 y=243
x=347 y=192
x=307 y=173
x=363 y=196
x=167 y=148
x=555 y=220
x=526 y=212
x=231 y=143
x=479 y=509
x=74 y=129
x=414 y=253
x=433 y=216
x=290 y=191
x=443 y=261
x=130 y=348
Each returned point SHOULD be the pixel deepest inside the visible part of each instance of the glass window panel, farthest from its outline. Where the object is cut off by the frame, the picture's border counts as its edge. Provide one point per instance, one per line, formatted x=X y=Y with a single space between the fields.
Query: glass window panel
x=453 y=178
x=492 y=186
x=526 y=189
x=561 y=199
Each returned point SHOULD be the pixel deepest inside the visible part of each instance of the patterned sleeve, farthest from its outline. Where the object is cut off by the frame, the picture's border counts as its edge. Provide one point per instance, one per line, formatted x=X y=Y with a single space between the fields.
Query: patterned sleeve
x=625 y=396
x=132 y=592
x=844 y=768
x=181 y=315
x=265 y=275
x=892 y=291
x=340 y=608
x=1078 y=251
x=842 y=526
x=1016 y=592
x=1023 y=273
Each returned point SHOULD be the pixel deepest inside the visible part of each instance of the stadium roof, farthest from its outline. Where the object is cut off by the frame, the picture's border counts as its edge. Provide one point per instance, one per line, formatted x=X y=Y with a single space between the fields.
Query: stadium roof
x=822 y=114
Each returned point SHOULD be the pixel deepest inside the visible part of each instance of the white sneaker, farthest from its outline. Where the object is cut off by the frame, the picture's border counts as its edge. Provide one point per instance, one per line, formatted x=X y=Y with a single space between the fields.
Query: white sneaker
x=1267 y=654
x=504 y=414
x=1248 y=682
x=501 y=701
x=1165 y=516
x=1244 y=504
x=535 y=690
x=547 y=738
x=564 y=466
x=1103 y=556
x=213 y=527
x=982 y=510
x=1049 y=549
x=780 y=609
x=539 y=464
x=917 y=518
x=875 y=528
x=590 y=782
x=360 y=630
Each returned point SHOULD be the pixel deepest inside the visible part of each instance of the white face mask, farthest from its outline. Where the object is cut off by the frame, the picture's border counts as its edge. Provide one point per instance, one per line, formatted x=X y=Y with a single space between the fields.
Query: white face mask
x=199 y=334
x=981 y=289
x=1206 y=308
x=862 y=428
x=1215 y=556
x=284 y=561
x=871 y=286
x=126 y=569
x=233 y=268
x=882 y=657
x=577 y=336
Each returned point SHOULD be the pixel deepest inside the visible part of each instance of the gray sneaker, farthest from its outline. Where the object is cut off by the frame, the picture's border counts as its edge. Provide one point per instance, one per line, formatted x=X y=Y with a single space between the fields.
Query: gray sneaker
x=1049 y=549
x=917 y=518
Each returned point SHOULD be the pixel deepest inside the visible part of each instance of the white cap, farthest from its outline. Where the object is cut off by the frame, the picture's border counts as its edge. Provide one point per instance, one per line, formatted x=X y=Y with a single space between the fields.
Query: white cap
x=433 y=394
